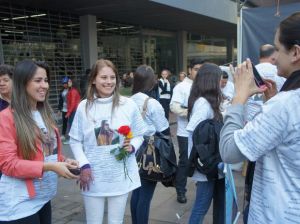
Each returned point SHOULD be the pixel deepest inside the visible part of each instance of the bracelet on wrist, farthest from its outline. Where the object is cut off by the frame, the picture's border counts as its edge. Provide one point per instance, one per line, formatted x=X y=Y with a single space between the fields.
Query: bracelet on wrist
x=133 y=149
x=85 y=166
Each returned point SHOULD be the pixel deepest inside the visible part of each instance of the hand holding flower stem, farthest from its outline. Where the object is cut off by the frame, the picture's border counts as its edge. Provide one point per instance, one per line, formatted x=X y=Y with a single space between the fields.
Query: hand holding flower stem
x=123 y=153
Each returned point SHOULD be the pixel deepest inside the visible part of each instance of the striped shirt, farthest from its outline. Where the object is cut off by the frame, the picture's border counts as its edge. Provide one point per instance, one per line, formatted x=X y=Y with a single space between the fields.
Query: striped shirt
x=272 y=139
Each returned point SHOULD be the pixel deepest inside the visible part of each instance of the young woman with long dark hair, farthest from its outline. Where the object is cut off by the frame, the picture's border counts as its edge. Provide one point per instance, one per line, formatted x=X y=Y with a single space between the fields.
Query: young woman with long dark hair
x=144 y=86
x=204 y=103
x=30 y=155
x=272 y=138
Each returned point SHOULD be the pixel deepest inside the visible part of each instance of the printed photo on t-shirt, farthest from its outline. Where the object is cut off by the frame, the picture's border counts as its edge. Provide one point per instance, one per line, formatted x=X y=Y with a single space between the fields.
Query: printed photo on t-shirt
x=105 y=135
x=48 y=143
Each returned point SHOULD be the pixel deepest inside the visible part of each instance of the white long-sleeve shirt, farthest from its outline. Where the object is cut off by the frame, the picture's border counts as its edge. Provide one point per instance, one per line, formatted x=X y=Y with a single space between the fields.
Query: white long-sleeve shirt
x=272 y=139
x=179 y=104
x=155 y=119
x=90 y=145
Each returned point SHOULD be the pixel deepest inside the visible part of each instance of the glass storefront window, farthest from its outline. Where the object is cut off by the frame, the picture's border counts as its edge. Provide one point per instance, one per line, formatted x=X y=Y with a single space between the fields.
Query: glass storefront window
x=28 y=33
x=211 y=49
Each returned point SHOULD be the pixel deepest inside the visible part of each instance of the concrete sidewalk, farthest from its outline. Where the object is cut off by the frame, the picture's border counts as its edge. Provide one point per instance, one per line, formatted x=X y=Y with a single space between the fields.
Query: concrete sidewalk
x=68 y=205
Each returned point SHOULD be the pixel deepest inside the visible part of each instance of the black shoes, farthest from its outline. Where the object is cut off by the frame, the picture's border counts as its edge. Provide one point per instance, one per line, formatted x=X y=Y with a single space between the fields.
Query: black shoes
x=181 y=198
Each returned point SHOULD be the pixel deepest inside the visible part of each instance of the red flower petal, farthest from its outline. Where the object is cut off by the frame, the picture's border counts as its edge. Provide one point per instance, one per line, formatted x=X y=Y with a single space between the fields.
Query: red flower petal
x=124 y=130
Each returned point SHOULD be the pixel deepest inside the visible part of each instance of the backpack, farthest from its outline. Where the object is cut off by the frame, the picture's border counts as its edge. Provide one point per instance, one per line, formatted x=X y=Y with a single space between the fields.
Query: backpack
x=205 y=155
x=156 y=157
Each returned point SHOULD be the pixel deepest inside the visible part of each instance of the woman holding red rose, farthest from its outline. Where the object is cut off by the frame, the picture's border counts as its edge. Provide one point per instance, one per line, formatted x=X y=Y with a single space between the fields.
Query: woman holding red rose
x=102 y=176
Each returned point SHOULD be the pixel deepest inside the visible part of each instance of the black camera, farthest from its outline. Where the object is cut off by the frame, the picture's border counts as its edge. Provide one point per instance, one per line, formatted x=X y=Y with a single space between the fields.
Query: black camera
x=258 y=79
x=75 y=171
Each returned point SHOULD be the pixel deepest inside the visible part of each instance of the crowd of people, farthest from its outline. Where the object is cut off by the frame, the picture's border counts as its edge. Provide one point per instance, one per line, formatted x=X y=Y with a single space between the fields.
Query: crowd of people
x=261 y=125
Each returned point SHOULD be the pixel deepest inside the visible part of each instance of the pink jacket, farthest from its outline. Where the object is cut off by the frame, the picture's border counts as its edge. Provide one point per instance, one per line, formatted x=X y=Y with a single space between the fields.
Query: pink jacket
x=11 y=162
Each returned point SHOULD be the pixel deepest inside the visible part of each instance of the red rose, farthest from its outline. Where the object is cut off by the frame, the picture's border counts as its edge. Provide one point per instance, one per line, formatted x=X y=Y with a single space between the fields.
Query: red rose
x=124 y=130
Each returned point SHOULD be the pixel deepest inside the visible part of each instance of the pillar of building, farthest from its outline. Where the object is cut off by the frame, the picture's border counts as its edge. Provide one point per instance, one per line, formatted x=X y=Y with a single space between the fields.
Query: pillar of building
x=230 y=50
x=127 y=54
x=182 y=50
x=88 y=37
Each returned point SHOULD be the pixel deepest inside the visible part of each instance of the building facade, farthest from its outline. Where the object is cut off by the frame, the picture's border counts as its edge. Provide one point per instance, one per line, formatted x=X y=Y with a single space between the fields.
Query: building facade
x=71 y=35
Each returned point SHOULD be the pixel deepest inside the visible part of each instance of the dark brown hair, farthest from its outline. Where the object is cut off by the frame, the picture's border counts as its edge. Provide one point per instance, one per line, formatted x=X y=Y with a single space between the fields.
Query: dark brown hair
x=289 y=31
x=207 y=85
x=6 y=70
x=27 y=130
x=144 y=79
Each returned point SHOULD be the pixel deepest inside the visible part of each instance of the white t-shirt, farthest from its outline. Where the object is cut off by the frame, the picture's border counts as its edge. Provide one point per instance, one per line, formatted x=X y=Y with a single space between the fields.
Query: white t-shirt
x=228 y=90
x=15 y=202
x=272 y=139
x=181 y=94
x=201 y=111
x=269 y=71
x=64 y=97
x=155 y=116
x=94 y=134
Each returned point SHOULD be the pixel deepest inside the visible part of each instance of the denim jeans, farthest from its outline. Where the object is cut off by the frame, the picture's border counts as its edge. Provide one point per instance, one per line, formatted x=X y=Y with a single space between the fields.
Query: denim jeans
x=206 y=191
x=70 y=121
x=181 y=173
x=140 y=202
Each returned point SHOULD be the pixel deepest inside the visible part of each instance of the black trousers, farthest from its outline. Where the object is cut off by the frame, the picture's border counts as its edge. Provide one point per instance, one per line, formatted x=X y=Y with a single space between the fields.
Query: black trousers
x=43 y=216
x=181 y=173
x=166 y=105
x=64 y=123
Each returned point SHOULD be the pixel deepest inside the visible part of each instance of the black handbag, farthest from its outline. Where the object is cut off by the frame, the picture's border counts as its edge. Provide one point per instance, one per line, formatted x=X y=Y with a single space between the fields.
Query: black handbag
x=148 y=159
x=157 y=160
x=156 y=157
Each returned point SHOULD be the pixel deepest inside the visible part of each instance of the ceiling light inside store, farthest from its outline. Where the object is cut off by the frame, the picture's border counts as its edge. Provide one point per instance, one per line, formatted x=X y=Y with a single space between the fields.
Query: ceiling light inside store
x=38 y=15
x=112 y=28
x=126 y=27
x=25 y=17
x=9 y=31
x=99 y=22
x=8 y=27
x=20 y=17
x=71 y=25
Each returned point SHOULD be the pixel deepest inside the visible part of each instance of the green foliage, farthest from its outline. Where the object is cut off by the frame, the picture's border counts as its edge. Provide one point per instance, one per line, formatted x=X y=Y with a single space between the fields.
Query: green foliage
x=125 y=91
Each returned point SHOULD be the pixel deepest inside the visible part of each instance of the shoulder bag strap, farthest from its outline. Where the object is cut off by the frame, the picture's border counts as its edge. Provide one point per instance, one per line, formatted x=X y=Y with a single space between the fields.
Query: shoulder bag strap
x=145 y=107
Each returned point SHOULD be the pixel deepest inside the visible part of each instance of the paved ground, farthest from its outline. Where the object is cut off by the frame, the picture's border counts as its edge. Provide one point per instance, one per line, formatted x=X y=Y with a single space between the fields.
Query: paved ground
x=68 y=205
